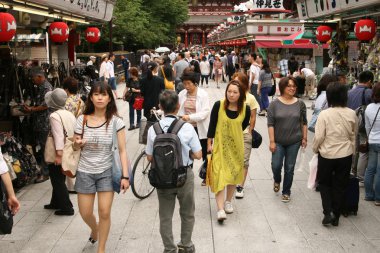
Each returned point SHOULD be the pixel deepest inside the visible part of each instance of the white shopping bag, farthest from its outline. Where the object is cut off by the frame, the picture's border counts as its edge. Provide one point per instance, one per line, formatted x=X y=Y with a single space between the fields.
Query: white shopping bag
x=301 y=159
x=313 y=166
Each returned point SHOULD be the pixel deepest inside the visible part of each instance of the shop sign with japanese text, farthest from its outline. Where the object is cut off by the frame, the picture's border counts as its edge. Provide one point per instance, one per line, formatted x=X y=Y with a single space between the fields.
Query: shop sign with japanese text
x=285 y=29
x=267 y=5
x=320 y=8
x=96 y=9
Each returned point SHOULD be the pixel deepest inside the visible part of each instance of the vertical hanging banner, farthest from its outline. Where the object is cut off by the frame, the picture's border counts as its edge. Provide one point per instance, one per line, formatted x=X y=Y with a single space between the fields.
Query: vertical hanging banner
x=96 y=9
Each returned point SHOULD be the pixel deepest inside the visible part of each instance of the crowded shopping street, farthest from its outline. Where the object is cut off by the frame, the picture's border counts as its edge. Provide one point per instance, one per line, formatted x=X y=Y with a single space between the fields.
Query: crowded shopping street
x=215 y=126
x=260 y=223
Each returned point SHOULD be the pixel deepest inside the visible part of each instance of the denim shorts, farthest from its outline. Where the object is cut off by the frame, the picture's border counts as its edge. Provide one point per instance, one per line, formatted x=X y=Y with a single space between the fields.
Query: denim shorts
x=88 y=183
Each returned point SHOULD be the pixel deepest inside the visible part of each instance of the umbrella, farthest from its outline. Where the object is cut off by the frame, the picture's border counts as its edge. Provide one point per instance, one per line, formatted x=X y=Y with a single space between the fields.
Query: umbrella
x=162 y=50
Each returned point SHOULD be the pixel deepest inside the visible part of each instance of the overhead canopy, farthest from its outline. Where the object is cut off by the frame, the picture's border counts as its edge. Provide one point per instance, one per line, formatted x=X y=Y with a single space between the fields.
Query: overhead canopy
x=291 y=41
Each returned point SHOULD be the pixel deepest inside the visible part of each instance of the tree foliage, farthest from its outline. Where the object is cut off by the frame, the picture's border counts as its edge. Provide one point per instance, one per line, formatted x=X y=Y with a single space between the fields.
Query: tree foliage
x=147 y=23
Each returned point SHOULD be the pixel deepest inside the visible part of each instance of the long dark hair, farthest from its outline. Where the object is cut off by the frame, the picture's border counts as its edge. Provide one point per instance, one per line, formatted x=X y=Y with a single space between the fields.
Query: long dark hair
x=266 y=67
x=111 y=110
x=241 y=97
x=151 y=67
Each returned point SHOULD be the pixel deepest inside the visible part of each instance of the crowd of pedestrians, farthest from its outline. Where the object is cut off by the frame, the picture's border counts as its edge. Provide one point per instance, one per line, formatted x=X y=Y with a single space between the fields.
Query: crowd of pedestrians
x=224 y=130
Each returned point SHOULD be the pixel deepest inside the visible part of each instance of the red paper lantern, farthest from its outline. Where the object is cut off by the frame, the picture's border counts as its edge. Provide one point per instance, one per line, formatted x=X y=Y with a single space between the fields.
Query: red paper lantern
x=365 y=29
x=92 y=34
x=323 y=33
x=59 y=32
x=7 y=27
x=244 y=42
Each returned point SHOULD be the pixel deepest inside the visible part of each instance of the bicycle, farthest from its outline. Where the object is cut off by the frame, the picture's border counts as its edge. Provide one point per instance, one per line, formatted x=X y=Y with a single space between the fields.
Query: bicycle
x=140 y=184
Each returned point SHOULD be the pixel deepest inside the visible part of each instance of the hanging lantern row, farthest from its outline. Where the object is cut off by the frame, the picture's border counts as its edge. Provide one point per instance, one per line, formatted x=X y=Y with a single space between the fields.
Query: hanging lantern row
x=59 y=33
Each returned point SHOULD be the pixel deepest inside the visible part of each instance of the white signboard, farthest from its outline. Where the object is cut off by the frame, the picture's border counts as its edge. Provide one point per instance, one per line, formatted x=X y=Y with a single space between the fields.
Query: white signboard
x=96 y=9
x=267 y=5
x=319 y=8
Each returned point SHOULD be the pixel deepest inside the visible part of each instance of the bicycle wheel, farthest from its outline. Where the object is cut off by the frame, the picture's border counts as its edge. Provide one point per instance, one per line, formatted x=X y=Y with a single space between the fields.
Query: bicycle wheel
x=141 y=187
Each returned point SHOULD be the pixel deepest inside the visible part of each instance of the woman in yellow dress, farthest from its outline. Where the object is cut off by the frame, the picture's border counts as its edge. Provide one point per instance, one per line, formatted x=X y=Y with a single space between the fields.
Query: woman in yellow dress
x=229 y=117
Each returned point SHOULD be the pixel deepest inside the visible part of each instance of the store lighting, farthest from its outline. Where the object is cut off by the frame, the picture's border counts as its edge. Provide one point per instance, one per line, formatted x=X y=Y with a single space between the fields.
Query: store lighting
x=31 y=4
x=2 y=5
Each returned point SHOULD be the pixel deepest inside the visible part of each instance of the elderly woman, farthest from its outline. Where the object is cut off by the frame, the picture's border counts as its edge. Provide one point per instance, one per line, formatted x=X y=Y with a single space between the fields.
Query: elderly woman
x=74 y=103
x=334 y=140
x=372 y=125
x=287 y=127
x=229 y=117
x=62 y=124
x=195 y=107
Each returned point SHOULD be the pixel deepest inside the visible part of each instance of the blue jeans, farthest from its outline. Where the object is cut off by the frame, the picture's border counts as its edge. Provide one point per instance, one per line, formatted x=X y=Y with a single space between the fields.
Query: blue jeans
x=290 y=154
x=264 y=102
x=112 y=83
x=254 y=93
x=372 y=174
x=132 y=114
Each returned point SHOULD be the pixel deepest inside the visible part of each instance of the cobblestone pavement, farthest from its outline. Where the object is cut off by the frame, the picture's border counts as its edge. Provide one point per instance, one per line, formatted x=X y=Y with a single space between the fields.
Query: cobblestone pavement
x=260 y=222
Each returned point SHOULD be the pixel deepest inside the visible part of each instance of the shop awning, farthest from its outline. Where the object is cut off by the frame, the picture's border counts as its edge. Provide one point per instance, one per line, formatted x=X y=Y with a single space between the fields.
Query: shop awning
x=31 y=37
x=291 y=41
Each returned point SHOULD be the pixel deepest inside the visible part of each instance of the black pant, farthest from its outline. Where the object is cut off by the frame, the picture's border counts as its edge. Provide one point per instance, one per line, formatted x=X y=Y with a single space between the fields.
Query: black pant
x=60 y=196
x=203 y=145
x=204 y=77
x=333 y=176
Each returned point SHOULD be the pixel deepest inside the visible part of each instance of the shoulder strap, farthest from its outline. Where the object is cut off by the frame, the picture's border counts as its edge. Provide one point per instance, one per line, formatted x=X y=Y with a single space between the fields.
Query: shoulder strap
x=176 y=126
x=157 y=128
x=63 y=124
x=114 y=135
x=78 y=109
x=363 y=96
x=374 y=120
x=84 y=123
x=163 y=72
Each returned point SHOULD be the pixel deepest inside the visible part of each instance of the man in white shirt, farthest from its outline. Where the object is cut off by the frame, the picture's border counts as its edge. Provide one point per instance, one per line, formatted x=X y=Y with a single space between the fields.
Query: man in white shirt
x=111 y=71
x=91 y=61
x=254 y=72
x=310 y=81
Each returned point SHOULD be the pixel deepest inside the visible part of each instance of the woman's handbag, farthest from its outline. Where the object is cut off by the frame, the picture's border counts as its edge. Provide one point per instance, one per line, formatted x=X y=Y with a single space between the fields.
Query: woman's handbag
x=364 y=147
x=313 y=166
x=256 y=139
x=70 y=157
x=203 y=169
x=128 y=95
x=169 y=85
x=49 y=152
x=6 y=217
x=139 y=103
x=116 y=164
x=272 y=91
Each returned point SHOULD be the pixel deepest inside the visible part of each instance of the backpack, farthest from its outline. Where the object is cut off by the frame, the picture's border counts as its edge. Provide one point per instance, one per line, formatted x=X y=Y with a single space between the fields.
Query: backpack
x=167 y=170
x=360 y=111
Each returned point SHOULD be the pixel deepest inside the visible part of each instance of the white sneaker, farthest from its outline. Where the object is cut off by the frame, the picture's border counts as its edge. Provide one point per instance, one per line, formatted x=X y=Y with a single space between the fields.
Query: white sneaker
x=228 y=207
x=239 y=192
x=221 y=214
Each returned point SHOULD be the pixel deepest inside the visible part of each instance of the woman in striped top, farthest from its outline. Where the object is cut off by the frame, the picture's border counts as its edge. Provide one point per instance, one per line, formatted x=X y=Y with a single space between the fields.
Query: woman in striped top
x=93 y=134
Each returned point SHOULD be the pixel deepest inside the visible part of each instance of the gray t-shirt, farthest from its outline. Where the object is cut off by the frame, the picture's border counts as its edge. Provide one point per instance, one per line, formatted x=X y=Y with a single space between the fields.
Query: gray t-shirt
x=265 y=78
x=287 y=120
x=96 y=155
x=179 y=67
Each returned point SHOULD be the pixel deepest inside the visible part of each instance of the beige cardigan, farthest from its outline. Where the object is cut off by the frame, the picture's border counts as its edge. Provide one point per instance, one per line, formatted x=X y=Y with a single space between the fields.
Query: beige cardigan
x=335 y=133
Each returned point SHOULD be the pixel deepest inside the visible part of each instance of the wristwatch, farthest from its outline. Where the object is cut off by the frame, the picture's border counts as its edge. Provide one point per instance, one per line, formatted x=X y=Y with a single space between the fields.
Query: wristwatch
x=127 y=178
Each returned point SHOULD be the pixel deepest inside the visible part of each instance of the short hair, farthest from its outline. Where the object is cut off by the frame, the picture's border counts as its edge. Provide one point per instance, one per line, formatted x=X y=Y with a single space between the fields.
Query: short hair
x=70 y=84
x=366 y=76
x=110 y=55
x=134 y=71
x=168 y=101
x=190 y=75
x=284 y=82
x=37 y=71
x=182 y=54
x=337 y=94
x=243 y=79
x=376 y=93
x=204 y=58
x=324 y=82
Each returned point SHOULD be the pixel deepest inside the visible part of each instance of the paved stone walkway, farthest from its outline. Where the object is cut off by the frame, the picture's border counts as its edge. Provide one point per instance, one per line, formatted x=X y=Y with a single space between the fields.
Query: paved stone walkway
x=260 y=223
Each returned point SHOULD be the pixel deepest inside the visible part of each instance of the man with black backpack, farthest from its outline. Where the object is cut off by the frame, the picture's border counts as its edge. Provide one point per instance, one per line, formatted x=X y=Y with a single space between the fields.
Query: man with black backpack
x=171 y=146
x=358 y=99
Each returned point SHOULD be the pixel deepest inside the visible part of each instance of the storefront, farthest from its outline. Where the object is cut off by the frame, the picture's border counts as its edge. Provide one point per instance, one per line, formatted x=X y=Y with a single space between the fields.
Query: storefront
x=355 y=44
x=38 y=33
